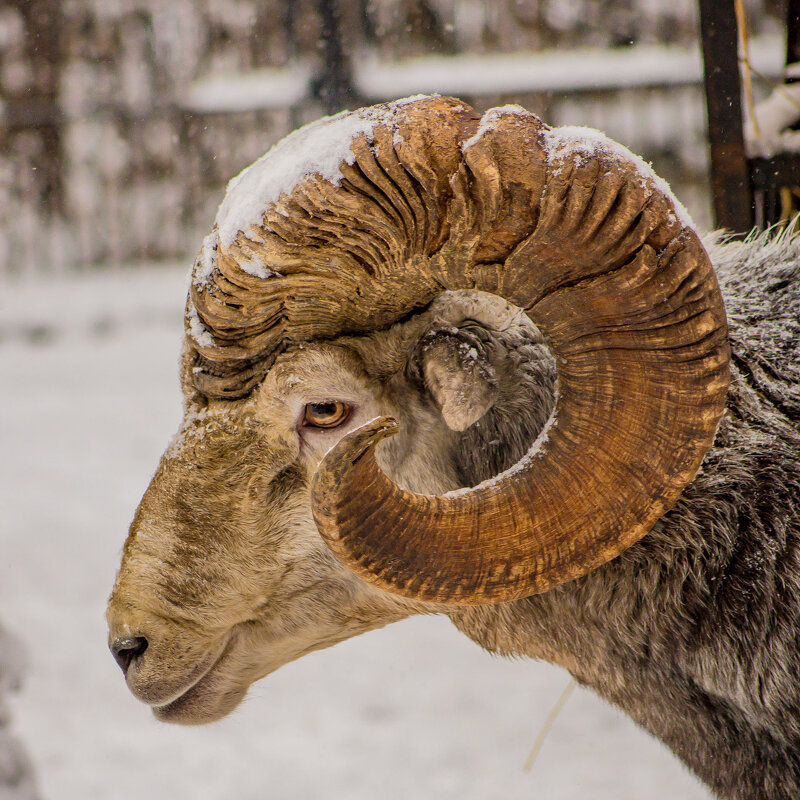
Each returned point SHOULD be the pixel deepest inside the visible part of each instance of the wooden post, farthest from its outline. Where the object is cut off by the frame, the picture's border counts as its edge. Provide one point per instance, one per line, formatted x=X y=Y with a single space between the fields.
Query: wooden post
x=793 y=35
x=34 y=109
x=333 y=87
x=730 y=175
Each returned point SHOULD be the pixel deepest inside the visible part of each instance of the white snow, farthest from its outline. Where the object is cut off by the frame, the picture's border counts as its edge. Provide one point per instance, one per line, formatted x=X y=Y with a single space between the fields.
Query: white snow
x=414 y=710
x=490 y=119
x=773 y=116
x=189 y=423
x=260 y=89
x=589 y=141
x=317 y=148
x=256 y=267
x=584 y=142
x=321 y=147
x=471 y=75
x=206 y=259
x=536 y=450
x=89 y=307
x=197 y=330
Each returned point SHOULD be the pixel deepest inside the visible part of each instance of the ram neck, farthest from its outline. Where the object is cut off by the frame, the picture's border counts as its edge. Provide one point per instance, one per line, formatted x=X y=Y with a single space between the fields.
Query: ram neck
x=713 y=737
x=693 y=631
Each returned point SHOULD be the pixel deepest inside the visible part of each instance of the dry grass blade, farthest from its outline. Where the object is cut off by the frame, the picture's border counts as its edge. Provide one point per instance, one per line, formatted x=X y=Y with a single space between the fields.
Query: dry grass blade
x=548 y=723
x=741 y=23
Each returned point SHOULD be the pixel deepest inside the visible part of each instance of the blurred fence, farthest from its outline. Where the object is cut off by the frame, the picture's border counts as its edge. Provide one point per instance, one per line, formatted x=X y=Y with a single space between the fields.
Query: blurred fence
x=119 y=152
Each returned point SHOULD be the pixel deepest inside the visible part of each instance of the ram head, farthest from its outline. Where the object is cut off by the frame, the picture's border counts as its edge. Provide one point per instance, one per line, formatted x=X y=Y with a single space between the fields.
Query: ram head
x=432 y=360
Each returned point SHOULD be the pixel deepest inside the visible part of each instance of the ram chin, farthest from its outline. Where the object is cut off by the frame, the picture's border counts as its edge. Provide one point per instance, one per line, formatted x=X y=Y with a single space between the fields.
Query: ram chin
x=218 y=692
x=209 y=700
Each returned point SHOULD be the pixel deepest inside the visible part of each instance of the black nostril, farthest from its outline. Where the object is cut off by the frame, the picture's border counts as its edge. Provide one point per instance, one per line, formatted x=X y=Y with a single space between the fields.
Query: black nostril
x=127 y=649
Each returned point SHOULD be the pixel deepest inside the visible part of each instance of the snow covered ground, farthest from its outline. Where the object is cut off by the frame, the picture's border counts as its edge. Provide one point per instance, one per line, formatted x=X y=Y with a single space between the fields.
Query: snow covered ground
x=88 y=399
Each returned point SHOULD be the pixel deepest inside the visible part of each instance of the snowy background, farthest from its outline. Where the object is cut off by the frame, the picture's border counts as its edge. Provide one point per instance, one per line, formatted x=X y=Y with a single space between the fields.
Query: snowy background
x=88 y=399
x=122 y=120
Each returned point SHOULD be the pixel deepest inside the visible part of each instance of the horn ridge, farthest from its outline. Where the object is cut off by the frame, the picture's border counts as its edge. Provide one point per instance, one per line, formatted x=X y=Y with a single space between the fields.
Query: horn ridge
x=563 y=223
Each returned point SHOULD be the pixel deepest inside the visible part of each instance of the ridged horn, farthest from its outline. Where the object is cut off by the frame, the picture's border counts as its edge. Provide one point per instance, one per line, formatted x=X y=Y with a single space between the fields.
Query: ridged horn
x=561 y=222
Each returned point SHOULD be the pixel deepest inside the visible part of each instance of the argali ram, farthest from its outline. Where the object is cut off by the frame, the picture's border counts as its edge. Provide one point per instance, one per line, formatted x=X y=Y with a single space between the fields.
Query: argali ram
x=439 y=361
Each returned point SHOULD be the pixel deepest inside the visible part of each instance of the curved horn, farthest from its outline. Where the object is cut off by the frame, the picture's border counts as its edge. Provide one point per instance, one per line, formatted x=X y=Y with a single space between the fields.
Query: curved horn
x=563 y=223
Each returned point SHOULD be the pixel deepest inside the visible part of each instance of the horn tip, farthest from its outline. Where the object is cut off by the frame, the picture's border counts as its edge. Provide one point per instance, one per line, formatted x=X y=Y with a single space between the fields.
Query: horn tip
x=344 y=455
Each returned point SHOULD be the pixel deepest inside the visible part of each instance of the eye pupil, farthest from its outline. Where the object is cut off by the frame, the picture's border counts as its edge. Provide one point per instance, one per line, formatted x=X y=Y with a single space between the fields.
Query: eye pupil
x=326 y=415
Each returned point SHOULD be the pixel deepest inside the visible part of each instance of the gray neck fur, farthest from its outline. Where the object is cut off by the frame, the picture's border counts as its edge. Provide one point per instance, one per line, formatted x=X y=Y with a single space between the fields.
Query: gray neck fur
x=694 y=631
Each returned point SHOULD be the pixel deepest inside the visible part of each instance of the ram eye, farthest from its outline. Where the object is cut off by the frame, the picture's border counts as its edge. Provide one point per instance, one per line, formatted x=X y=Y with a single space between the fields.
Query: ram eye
x=326 y=415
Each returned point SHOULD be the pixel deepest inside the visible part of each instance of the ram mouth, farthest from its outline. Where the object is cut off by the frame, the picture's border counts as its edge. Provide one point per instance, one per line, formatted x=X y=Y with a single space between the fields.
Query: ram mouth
x=209 y=698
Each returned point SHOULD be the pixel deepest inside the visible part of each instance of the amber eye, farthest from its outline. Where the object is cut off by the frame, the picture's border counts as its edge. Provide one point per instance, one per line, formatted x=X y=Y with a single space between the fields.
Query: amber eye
x=326 y=415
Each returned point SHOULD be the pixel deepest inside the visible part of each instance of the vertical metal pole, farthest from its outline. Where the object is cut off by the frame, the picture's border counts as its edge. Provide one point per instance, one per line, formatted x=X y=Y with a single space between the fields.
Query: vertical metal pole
x=792 y=54
x=793 y=34
x=289 y=24
x=365 y=20
x=730 y=174
x=333 y=86
x=36 y=108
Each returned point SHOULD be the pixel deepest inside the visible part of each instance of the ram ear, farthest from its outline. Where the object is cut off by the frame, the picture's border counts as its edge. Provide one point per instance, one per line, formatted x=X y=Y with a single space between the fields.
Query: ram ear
x=459 y=376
